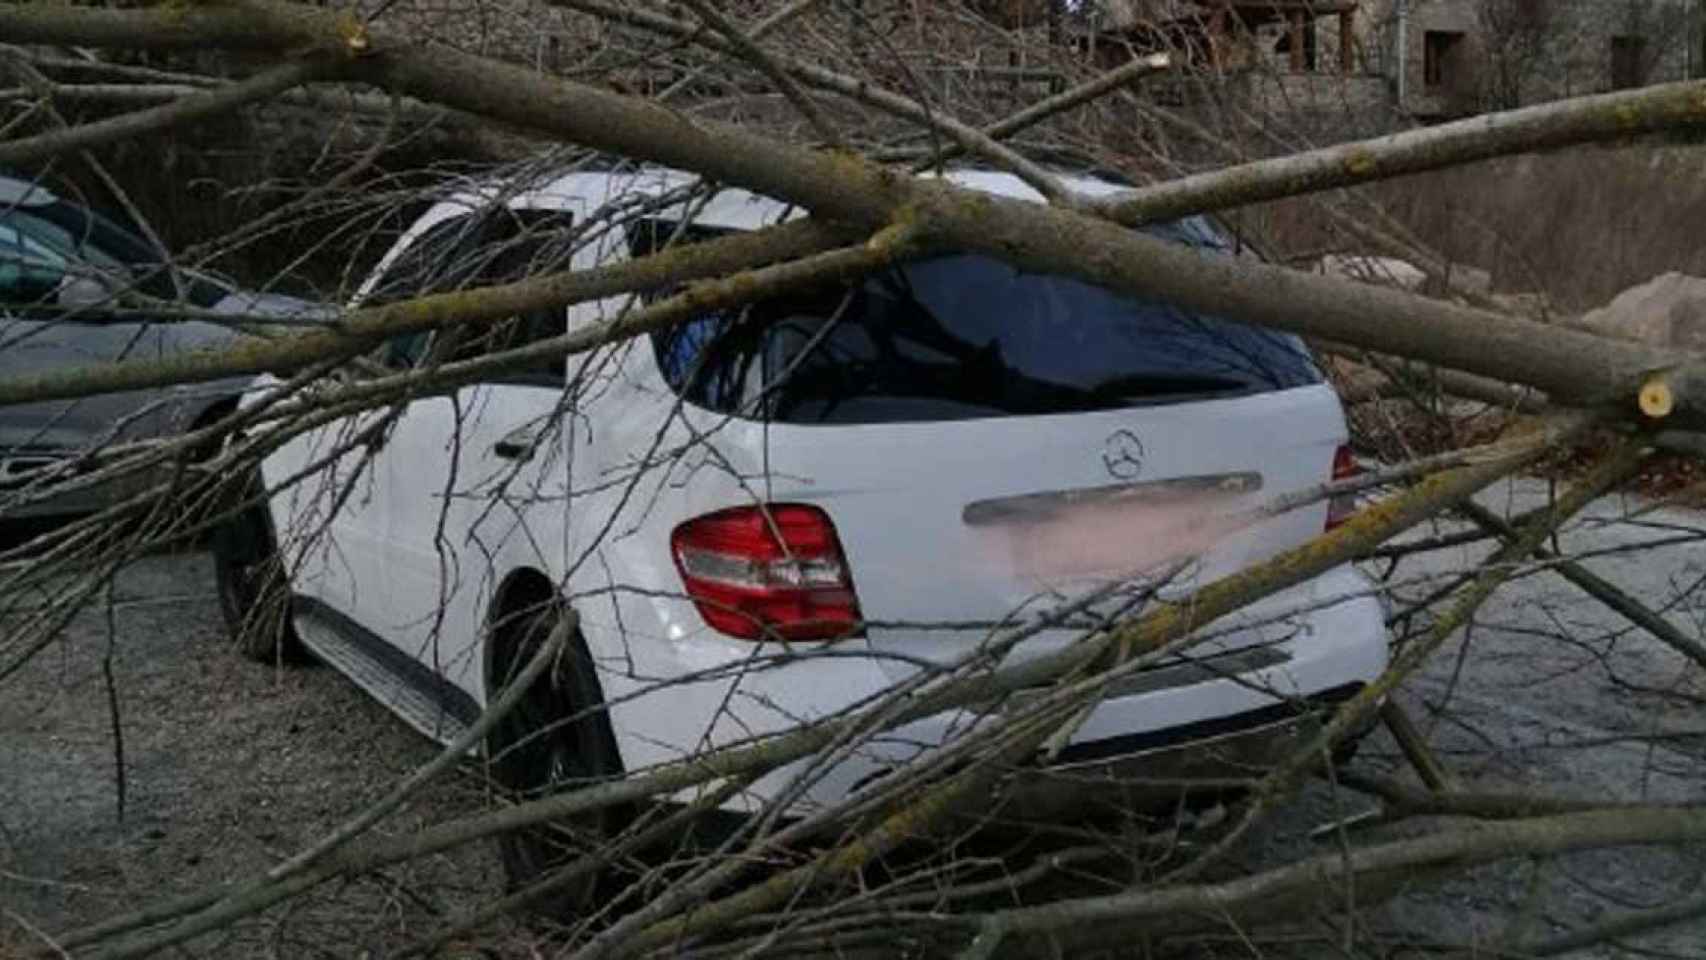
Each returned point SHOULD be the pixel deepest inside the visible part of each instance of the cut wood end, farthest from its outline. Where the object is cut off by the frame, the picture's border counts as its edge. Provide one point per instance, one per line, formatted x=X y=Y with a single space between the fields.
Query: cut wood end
x=1656 y=399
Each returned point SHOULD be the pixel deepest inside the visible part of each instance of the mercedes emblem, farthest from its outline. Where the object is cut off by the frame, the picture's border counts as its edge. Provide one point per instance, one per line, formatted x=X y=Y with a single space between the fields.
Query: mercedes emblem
x=1122 y=454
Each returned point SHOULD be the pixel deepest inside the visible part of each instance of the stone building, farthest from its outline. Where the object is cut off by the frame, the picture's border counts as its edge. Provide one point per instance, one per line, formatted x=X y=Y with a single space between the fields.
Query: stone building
x=1454 y=57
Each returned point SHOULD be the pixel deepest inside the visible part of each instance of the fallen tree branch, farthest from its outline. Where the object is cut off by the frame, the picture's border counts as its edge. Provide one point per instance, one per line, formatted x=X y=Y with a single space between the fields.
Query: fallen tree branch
x=1571 y=366
x=1404 y=801
x=211 y=908
x=1353 y=713
x=361 y=330
x=1415 y=747
x=1597 y=587
x=1469 y=386
x=185 y=110
x=1307 y=888
x=1595 y=119
x=1120 y=76
x=970 y=139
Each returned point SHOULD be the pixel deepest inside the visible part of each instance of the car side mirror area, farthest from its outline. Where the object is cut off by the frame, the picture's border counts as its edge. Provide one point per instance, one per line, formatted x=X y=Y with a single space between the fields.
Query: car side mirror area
x=81 y=292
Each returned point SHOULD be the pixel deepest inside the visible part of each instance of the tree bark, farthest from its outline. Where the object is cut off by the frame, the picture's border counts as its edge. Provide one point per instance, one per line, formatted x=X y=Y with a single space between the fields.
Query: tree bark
x=189 y=109
x=1308 y=888
x=1570 y=366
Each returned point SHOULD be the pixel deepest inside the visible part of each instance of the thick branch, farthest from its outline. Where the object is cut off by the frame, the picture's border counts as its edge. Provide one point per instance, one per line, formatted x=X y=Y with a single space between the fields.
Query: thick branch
x=146 y=94
x=1404 y=801
x=1566 y=364
x=1304 y=889
x=1569 y=365
x=232 y=26
x=189 y=109
x=361 y=330
x=1611 y=116
x=1454 y=382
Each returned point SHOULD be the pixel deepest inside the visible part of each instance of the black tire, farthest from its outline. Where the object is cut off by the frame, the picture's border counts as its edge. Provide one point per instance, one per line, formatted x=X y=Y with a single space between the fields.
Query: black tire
x=545 y=745
x=1345 y=751
x=252 y=589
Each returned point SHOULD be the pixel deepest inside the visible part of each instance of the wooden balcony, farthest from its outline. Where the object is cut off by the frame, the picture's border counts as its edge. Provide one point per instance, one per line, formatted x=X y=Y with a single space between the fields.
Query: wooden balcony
x=1205 y=30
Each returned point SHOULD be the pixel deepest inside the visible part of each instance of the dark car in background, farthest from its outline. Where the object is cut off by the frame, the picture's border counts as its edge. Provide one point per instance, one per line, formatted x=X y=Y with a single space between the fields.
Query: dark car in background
x=77 y=289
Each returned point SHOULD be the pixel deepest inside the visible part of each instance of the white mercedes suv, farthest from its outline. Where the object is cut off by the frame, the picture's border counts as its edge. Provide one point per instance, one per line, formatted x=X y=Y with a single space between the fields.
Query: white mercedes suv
x=882 y=472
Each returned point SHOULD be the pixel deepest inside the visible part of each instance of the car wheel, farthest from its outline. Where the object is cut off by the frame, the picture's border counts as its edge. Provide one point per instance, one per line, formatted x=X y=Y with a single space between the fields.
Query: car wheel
x=250 y=583
x=545 y=745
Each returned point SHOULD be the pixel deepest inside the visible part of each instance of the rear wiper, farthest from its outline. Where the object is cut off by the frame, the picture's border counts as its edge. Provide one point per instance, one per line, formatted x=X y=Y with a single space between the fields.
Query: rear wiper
x=1141 y=385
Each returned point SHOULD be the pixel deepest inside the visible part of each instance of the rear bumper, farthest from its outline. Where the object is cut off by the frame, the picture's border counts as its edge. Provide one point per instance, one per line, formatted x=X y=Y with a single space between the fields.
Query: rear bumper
x=1152 y=774
x=1220 y=715
x=1155 y=771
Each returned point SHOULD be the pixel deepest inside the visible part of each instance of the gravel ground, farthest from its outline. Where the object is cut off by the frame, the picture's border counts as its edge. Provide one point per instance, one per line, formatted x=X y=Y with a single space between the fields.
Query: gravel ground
x=1608 y=715
x=232 y=765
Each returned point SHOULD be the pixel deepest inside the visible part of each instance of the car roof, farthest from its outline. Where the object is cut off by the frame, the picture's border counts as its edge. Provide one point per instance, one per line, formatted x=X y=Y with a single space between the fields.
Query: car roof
x=580 y=193
x=731 y=208
x=23 y=193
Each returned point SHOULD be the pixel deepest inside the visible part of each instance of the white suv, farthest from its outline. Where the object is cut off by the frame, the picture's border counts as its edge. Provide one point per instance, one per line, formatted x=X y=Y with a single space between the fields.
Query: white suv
x=887 y=469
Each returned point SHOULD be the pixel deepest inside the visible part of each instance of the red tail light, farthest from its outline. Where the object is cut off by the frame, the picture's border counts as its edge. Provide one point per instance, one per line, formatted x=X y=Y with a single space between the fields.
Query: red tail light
x=768 y=572
x=1340 y=508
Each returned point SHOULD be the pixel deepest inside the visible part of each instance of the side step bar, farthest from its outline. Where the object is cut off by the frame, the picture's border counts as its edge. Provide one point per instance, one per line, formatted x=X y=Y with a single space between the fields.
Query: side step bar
x=425 y=700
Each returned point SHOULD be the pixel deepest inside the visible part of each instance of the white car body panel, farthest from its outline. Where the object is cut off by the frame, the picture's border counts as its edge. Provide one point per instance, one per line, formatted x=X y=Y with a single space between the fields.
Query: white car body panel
x=418 y=550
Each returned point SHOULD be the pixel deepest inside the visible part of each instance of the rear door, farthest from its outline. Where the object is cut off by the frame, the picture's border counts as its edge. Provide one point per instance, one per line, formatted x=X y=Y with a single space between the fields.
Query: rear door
x=334 y=525
x=466 y=474
x=986 y=440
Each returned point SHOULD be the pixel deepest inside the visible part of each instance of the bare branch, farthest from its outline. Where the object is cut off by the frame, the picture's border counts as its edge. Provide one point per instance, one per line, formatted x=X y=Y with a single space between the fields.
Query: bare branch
x=191 y=108
x=1595 y=119
x=1305 y=888
x=1598 y=587
x=360 y=330
x=767 y=64
x=970 y=138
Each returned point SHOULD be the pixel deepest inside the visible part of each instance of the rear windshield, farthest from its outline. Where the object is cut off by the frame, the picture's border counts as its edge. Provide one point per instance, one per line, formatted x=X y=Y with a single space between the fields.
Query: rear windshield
x=965 y=336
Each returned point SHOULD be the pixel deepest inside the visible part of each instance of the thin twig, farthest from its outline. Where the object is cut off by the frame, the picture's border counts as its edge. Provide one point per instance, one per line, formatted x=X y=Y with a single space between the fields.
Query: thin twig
x=119 y=779
x=749 y=50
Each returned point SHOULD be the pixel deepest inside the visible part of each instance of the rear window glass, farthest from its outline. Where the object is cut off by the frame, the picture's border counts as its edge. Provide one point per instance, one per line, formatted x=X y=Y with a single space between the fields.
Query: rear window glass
x=965 y=336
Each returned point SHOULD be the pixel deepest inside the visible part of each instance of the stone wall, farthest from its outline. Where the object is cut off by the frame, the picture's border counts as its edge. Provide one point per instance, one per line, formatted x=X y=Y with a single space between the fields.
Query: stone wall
x=1324 y=106
x=1464 y=56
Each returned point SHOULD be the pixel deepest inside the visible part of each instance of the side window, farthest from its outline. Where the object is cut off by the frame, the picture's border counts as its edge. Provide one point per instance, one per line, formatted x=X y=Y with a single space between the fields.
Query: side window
x=29 y=272
x=424 y=267
x=687 y=353
x=72 y=251
x=475 y=250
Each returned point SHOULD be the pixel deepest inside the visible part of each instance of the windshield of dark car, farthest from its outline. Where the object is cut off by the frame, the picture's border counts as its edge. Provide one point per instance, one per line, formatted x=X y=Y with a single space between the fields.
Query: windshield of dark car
x=111 y=250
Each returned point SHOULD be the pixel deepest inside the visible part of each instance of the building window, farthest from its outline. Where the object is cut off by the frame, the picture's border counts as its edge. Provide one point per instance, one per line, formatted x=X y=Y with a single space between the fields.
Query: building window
x=1306 y=55
x=1439 y=55
x=1628 y=57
